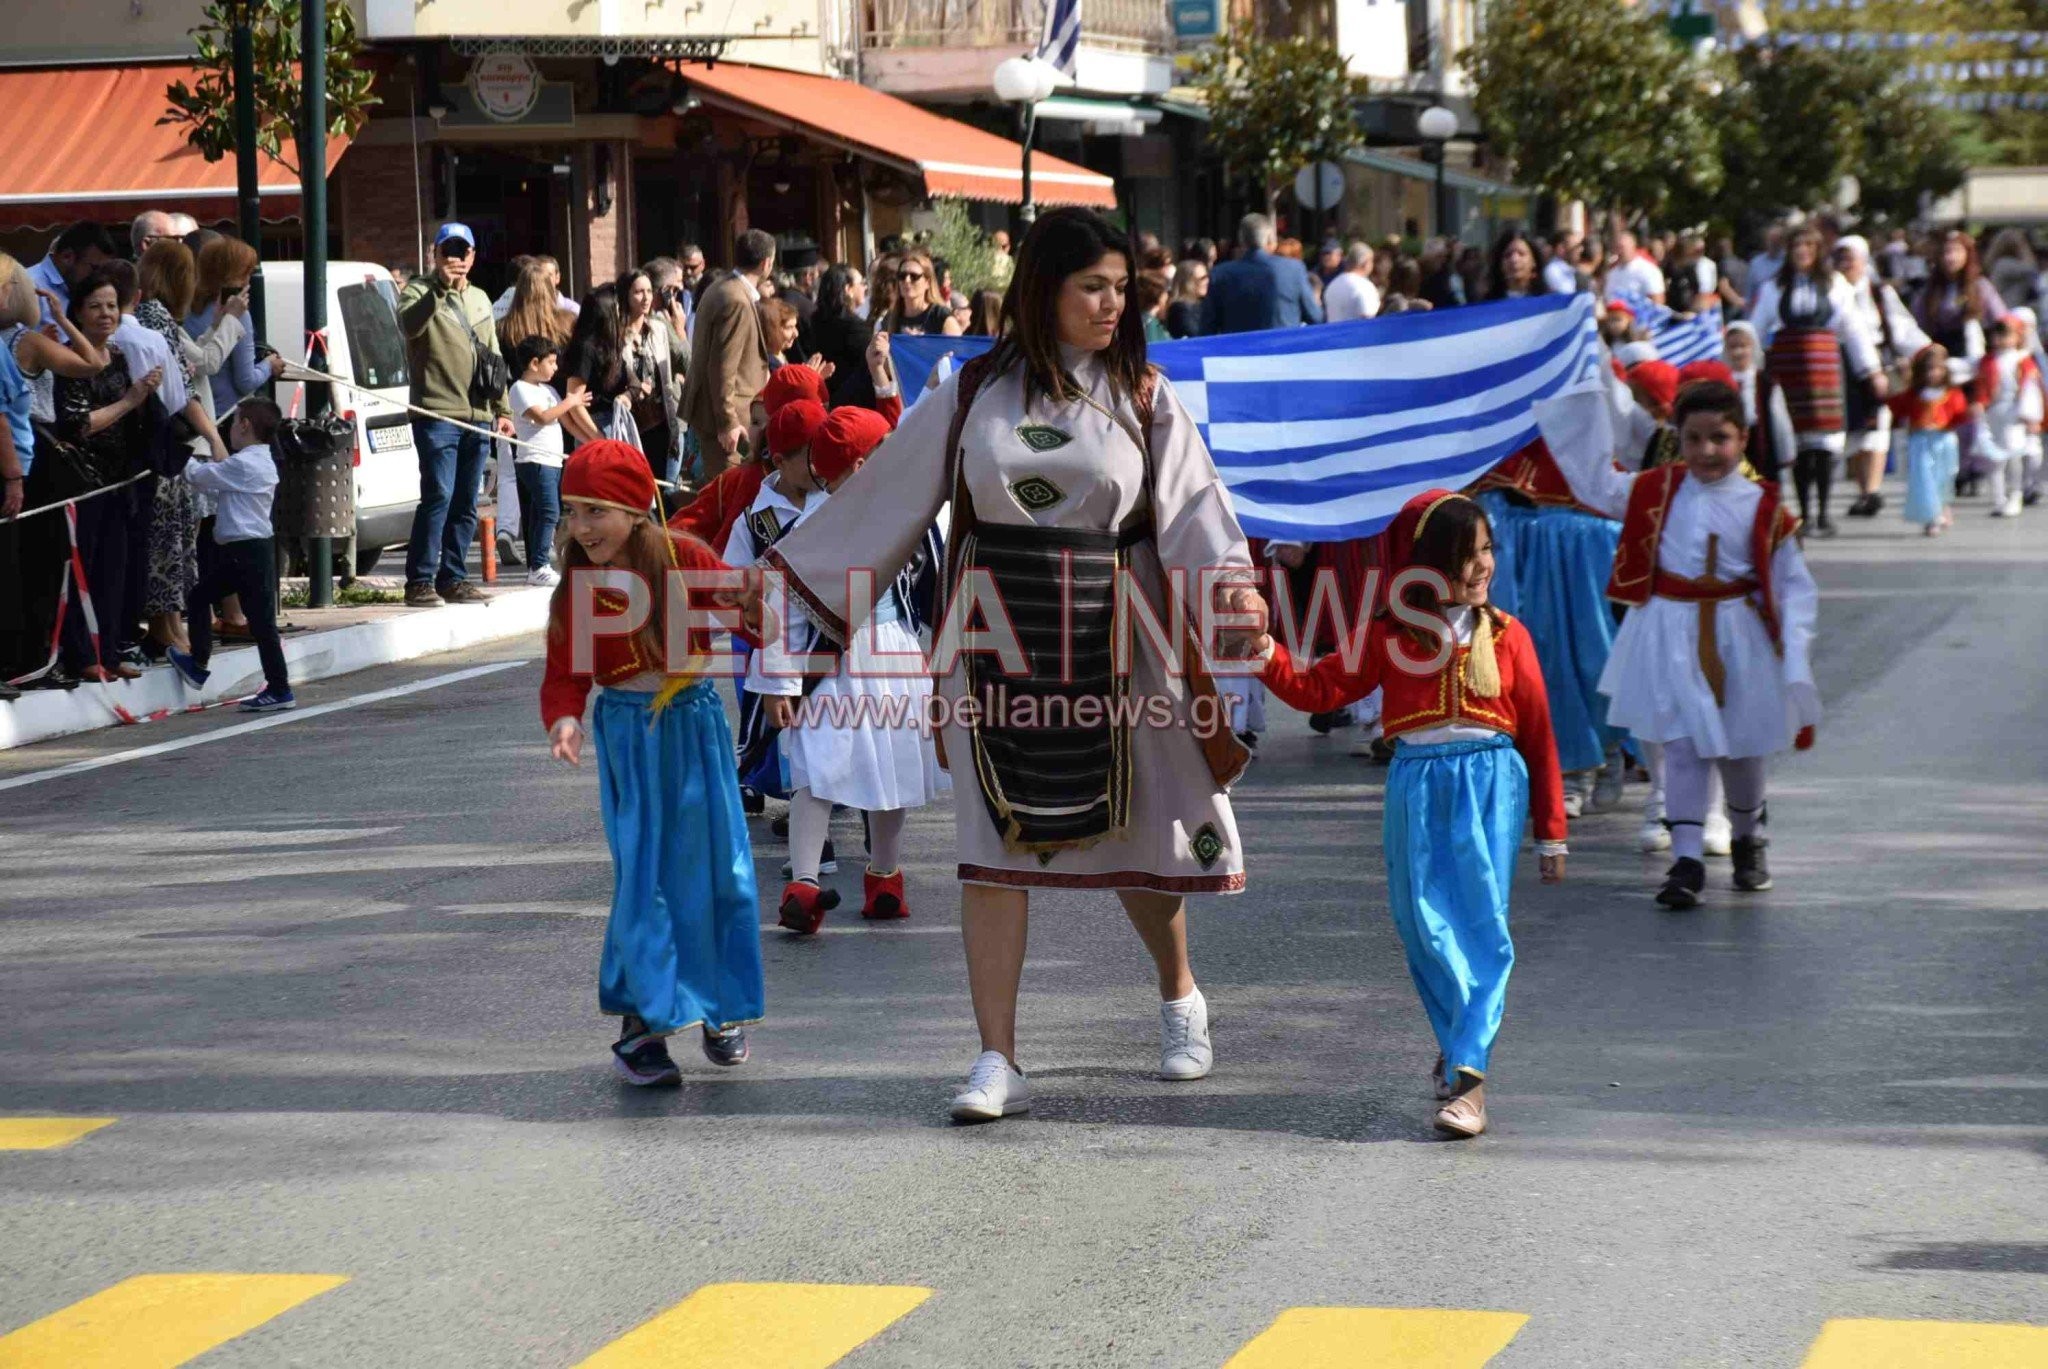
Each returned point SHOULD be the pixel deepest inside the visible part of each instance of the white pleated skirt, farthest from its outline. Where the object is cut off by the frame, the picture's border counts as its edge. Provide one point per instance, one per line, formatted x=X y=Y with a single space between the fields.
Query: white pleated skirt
x=884 y=758
x=1656 y=689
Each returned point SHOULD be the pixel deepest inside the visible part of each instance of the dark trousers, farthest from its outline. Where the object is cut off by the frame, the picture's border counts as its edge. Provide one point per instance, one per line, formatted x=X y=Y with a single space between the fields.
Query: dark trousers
x=247 y=569
x=540 y=508
x=451 y=470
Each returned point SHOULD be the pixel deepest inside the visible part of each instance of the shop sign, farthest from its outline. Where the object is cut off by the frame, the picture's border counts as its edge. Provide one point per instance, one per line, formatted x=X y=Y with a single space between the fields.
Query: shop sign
x=505 y=84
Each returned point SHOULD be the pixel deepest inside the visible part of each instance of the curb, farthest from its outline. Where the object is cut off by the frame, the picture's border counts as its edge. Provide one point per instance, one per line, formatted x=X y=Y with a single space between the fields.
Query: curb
x=44 y=713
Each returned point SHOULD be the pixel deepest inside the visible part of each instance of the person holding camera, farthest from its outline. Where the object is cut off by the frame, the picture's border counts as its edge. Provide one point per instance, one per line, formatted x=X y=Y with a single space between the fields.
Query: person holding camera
x=460 y=377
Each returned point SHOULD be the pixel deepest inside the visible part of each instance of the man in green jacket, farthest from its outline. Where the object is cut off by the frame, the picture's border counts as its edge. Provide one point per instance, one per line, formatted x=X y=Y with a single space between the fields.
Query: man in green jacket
x=448 y=323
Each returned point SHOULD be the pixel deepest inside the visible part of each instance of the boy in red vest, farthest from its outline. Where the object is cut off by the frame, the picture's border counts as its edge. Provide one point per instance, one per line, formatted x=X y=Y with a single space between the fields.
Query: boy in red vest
x=1714 y=660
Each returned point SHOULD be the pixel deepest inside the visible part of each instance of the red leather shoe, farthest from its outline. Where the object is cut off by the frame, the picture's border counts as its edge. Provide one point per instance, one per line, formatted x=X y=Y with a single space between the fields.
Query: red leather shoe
x=885 y=901
x=804 y=907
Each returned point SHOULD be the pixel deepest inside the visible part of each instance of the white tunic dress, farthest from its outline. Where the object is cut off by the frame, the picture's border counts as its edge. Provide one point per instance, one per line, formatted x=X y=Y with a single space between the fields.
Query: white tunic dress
x=1653 y=678
x=1082 y=471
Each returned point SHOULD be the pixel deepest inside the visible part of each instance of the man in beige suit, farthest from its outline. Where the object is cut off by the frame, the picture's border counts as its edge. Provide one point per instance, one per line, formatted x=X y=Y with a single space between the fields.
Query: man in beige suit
x=728 y=356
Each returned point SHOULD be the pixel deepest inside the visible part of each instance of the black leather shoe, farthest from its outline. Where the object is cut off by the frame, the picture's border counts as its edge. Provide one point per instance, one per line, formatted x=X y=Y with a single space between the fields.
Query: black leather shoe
x=1752 y=875
x=1682 y=884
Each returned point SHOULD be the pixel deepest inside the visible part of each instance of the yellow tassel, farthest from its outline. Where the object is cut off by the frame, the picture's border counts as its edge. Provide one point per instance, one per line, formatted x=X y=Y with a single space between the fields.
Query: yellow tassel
x=1482 y=670
x=666 y=695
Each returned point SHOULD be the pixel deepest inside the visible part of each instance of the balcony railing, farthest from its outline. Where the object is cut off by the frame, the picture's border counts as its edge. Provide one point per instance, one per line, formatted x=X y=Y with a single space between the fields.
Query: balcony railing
x=1122 y=25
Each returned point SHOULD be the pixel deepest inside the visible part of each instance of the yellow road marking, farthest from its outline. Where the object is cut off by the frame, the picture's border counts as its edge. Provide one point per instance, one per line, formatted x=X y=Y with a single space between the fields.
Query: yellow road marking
x=1855 y=1343
x=155 y=1321
x=761 y=1326
x=46 y=1133
x=1379 y=1337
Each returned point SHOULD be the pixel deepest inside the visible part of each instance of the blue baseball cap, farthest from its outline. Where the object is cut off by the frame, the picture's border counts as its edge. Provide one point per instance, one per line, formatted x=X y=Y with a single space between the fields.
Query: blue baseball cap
x=455 y=231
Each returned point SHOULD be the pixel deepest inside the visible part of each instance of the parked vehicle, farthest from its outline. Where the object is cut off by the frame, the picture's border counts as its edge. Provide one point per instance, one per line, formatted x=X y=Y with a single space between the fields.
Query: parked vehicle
x=365 y=346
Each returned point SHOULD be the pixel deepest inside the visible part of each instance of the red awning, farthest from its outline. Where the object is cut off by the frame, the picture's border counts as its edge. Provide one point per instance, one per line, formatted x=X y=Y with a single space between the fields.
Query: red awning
x=85 y=144
x=952 y=158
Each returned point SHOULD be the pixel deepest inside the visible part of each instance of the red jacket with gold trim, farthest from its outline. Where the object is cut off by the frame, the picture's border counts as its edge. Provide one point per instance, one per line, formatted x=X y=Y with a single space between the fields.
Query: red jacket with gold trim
x=1412 y=701
x=615 y=659
x=1642 y=530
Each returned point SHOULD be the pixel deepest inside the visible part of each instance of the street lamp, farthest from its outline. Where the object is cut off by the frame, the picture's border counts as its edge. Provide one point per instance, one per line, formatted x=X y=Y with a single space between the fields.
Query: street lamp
x=1026 y=81
x=1438 y=126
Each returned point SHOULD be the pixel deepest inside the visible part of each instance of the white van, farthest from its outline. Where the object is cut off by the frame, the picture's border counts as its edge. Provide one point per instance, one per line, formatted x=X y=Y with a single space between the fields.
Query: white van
x=364 y=345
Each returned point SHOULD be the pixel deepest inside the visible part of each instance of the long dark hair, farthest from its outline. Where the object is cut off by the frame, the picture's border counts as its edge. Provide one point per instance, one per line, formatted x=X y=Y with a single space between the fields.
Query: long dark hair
x=1496 y=279
x=597 y=344
x=986 y=317
x=832 y=290
x=1968 y=298
x=1450 y=538
x=1063 y=243
x=1823 y=272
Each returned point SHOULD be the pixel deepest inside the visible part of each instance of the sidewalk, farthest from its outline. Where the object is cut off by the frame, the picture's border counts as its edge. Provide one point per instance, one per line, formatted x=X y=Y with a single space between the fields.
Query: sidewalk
x=335 y=641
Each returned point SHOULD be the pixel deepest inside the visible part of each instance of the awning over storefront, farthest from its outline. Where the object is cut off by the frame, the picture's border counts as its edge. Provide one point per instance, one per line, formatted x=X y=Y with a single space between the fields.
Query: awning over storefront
x=84 y=143
x=952 y=158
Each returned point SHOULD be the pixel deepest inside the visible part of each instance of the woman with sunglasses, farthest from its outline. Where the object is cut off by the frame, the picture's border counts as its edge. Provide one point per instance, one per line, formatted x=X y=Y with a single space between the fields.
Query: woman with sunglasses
x=916 y=307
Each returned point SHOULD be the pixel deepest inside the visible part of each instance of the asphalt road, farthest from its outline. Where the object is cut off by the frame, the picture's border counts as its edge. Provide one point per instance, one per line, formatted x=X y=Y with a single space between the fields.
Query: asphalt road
x=334 y=981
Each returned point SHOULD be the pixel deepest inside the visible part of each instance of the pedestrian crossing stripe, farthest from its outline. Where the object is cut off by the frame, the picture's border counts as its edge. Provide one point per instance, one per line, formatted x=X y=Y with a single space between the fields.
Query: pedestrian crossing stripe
x=46 y=1133
x=157 y=1321
x=1870 y=1344
x=761 y=1326
x=1383 y=1337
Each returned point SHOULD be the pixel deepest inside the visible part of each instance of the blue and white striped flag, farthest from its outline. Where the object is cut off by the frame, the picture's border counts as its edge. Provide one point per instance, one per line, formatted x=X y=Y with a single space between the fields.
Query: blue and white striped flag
x=1061 y=40
x=1679 y=339
x=1322 y=433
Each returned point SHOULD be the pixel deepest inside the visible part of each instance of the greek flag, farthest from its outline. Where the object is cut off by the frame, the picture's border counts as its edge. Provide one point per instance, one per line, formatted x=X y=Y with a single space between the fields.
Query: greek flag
x=1062 y=37
x=1322 y=433
x=1679 y=337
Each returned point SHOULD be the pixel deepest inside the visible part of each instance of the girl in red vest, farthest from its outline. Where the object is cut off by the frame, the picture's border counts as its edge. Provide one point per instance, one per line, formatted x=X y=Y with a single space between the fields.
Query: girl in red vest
x=682 y=947
x=1714 y=661
x=1473 y=755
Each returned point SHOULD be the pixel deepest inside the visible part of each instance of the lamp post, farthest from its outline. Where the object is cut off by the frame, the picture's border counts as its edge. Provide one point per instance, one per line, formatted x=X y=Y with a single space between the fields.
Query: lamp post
x=1026 y=81
x=1438 y=126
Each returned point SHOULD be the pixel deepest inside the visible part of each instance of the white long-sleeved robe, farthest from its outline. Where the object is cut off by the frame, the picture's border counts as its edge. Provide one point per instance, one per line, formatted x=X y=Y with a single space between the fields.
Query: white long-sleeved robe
x=1182 y=836
x=1653 y=679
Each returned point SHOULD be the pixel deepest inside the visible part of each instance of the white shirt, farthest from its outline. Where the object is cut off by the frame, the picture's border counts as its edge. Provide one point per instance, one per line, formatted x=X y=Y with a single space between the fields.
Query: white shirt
x=1560 y=277
x=774 y=669
x=1350 y=295
x=1638 y=275
x=527 y=396
x=146 y=350
x=244 y=484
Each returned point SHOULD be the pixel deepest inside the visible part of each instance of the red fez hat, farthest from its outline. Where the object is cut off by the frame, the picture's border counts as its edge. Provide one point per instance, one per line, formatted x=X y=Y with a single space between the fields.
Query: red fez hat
x=790 y=383
x=848 y=435
x=1621 y=306
x=1657 y=380
x=794 y=426
x=611 y=473
x=1705 y=370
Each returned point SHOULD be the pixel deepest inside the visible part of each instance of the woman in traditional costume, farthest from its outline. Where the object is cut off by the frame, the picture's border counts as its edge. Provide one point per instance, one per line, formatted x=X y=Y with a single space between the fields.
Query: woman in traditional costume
x=1808 y=321
x=1070 y=465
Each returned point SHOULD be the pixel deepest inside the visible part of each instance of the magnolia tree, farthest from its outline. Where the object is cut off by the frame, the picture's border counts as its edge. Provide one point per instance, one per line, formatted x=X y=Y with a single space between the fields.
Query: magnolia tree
x=1275 y=105
x=206 y=108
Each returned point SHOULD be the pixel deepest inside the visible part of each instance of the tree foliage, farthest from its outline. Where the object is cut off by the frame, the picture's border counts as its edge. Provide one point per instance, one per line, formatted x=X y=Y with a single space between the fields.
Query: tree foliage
x=966 y=249
x=1592 y=100
x=1275 y=104
x=207 y=107
x=1793 y=122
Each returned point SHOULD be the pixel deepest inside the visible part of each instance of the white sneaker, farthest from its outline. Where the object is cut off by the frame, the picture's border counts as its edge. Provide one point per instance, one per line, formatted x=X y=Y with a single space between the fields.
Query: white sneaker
x=544 y=576
x=1717 y=838
x=1366 y=742
x=994 y=1089
x=1574 y=803
x=1655 y=836
x=1184 y=1051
